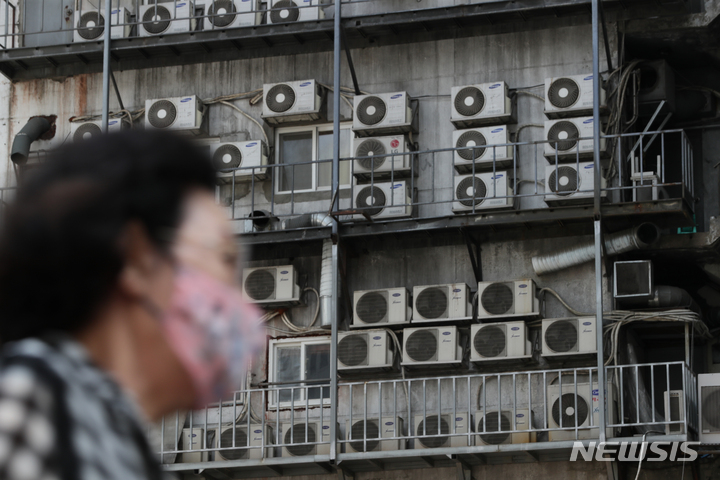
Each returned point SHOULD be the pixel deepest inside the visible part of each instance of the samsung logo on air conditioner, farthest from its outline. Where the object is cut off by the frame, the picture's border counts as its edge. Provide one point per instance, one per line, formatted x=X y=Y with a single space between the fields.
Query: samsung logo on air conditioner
x=180 y=5
x=589 y=166
x=396 y=96
x=258 y=431
x=194 y=435
x=186 y=99
x=587 y=323
x=459 y=419
x=397 y=185
x=496 y=177
x=495 y=85
x=306 y=84
x=326 y=427
x=515 y=328
x=456 y=290
x=396 y=294
x=284 y=272
x=522 y=285
x=589 y=120
x=251 y=144
x=520 y=415
x=115 y=12
x=377 y=338
x=113 y=122
x=497 y=130
x=588 y=77
x=447 y=333
x=389 y=423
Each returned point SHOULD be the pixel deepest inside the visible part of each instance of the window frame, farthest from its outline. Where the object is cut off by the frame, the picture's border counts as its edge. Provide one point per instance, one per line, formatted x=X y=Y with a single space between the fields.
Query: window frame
x=303 y=343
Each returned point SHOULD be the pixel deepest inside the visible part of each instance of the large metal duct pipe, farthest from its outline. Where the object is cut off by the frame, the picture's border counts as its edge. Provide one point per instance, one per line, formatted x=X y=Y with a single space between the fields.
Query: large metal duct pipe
x=638 y=237
x=32 y=130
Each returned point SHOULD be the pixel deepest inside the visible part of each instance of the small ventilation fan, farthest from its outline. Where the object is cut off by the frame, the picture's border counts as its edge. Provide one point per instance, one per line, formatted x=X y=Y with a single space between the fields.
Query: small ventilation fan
x=370 y=148
x=563 y=92
x=564 y=181
x=353 y=350
x=227 y=156
x=221 y=13
x=91 y=25
x=284 y=11
x=371 y=110
x=469 y=142
x=260 y=284
x=562 y=336
x=432 y=302
x=280 y=98
x=86 y=131
x=490 y=341
x=421 y=345
x=226 y=441
x=432 y=425
x=471 y=191
x=371 y=197
x=361 y=430
x=162 y=114
x=569 y=409
x=563 y=135
x=498 y=298
x=371 y=307
x=156 y=19
x=297 y=435
x=495 y=422
x=469 y=101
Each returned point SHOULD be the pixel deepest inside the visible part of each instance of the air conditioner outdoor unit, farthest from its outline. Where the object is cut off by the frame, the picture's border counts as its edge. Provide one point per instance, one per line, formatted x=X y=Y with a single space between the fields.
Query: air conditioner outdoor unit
x=499 y=341
x=441 y=302
x=709 y=407
x=431 y=345
x=289 y=11
x=367 y=349
x=243 y=440
x=435 y=430
x=80 y=131
x=563 y=139
x=220 y=14
x=181 y=114
x=477 y=192
x=381 y=157
x=478 y=145
x=571 y=96
x=288 y=102
x=383 y=200
x=657 y=83
x=166 y=17
x=294 y=434
x=508 y=299
x=578 y=405
x=195 y=439
x=381 y=307
x=367 y=436
x=496 y=428
x=382 y=113
x=674 y=411
x=570 y=185
x=568 y=336
x=239 y=155
x=272 y=286
x=90 y=24
x=481 y=104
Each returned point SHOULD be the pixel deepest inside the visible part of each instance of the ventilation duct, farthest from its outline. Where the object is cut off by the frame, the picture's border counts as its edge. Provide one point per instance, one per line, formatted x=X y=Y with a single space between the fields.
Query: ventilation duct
x=32 y=130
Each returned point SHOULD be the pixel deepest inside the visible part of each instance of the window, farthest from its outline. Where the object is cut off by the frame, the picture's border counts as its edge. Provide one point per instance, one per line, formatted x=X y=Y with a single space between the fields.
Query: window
x=294 y=361
x=300 y=145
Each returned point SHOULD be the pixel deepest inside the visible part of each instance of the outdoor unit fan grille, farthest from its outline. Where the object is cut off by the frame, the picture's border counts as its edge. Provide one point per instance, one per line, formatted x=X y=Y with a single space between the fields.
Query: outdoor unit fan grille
x=227 y=156
x=498 y=298
x=297 y=435
x=280 y=98
x=371 y=307
x=490 y=341
x=562 y=336
x=569 y=414
x=564 y=181
x=495 y=422
x=225 y=9
x=711 y=409
x=563 y=93
x=469 y=141
x=162 y=114
x=226 y=441
x=369 y=148
x=430 y=425
x=156 y=19
x=371 y=197
x=284 y=11
x=371 y=110
x=469 y=101
x=260 y=284
x=86 y=131
x=353 y=350
x=422 y=346
x=91 y=25
x=432 y=302
x=563 y=135
x=471 y=191
x=358 y=431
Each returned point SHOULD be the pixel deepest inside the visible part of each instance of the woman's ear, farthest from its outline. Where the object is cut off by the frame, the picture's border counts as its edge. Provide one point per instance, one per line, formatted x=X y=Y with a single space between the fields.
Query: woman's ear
x=140 y=261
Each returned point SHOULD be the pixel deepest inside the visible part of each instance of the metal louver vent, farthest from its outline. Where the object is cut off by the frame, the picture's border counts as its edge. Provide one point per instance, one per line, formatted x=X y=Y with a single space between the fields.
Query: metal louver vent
x=563 y=93
x=564 y=181
x=280 y=98
x=227 y=156
x=260 y=284
x=562 y=336
x=490 y=341
x=563 y=135
x=371 y=110
x=710 y=409
x=156 y=19
x=469 y=101
x=297 y=435
x=422 y=345
x=91 y=25
x=471 y=191
x=353 y=350
x=86 y=131
x=495 y=422
x=498 y=298
x=225 y=11
x=360 y=431
x=569 y=414
x=284 y=11
x=429 y=426
x=370 y=148
x=162 y=114
x=372 y=307
x=469 y=141
x=371 y=197
x=432 y=302
x=226 y=441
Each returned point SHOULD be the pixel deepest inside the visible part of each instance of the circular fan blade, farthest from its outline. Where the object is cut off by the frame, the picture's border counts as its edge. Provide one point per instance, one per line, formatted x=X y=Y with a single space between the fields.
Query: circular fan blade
x=493 y=425
x=371 y=307
x=226 y=441
x=561 y=336
x=162 y=114
x=564 y=181
x=563 y=136
x=497 y=298
x=421 y=345
x=86 y=131
x=471 y=191
x=371 y=110
x=369 y=148
x=429 y=426
x=371 y=197
x=471 y=140
x=91 y=25
x=569 y=414
x=280 y=98
x=432 y=302
x=284 y=11
x=156 y=19
x=367 y=430
x=563 y=93
x=353 y=350
x=260 y=285
x=225 y=11
x=469 y=101
x=297 y=435
x=227 y=156
x=489 y=341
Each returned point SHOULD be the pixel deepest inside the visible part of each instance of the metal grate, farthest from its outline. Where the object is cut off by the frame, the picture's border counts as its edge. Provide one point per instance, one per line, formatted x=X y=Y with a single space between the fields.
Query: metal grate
x=91 y=25
x=429 y=426
x=432 y=302
x=563 y=135
x=498 y=298
x=469 y=101
x=422 y=345
x=490 y=341
x=563 y=93
x=285 y=11
x=469 y=143
x=226 y=441
x=353 y=350
x=471 y=191
x=227 y=156
x=371 y=197
x=675 y=414
x=225 y=11
x=369 y=148
x=297 y=435
x=710 y=409
x=280 y=98
x=564 y=181
x=495 y=422
x=260 y=284
x=358 y=431
x=371 y=110
x=562 y=336
x=372 y=307
x=156 y=19
x=86 y=131
x=162 y=114
x=569 y=414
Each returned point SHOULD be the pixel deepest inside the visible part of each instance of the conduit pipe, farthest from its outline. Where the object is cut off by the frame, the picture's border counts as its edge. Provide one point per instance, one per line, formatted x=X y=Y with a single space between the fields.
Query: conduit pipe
x=635 y=238
x=32 y=130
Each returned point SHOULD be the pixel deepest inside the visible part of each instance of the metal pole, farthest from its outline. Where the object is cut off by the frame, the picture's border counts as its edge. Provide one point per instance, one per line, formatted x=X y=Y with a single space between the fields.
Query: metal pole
x=106 y=65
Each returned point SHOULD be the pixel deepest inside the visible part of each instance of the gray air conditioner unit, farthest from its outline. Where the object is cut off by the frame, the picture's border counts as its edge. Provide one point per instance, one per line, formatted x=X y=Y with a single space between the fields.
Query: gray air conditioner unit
x=431 y=345
x=383 y=200
x=568 y=336
x=499 y=341
x=239 y=437
x=221 y=14
x=381 y=157
x=90 y=24
x=290 y=11
x=481 y=104
x=367 y=349
x=180 y=114
x=384 y=113
x=82 y=131
x=271 y=286
x=299 y=433
x=44 y=22
x=507 y=299
x=496 y=428
x=571 y=96
x=674 y=411
x=291 y=102
x=233 y=160
x=576 y=404
x=709 y=406
x=435 y=431
x=572 y=184
x=366 y=436
x=486 y=147
x=166 y=17
x=483 y=191
x=441 y=302
x=381 y=307
x=563 y=139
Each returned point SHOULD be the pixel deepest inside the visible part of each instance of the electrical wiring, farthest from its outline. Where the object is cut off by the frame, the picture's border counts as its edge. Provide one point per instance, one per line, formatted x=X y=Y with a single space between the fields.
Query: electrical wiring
x=564 y=303
x=235 y=107
x=524 y=126
x=530 y=94
x=398 y=351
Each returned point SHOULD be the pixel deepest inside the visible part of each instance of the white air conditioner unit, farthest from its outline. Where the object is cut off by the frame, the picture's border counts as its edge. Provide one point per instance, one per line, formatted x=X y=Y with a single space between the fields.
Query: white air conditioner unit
x=80 y=131
x=496 y=428
x=367 y=436
x=579 y=405
x=709 y=407
x=220 y=14
x=674 y=411
x=431 y=345
x=90 y=24
x=300 y=433
x=571 y=96
x=381 y=157
x=382 y=113
x=434 y=431
x=181 y=114
x=499 y=341
x=508 y=299
x=166 y=17
x=481 y=104
x=288 y=102
x=289 y=11
x=272 y=286
x=383 y=200
x=195 y=439
x=239 y=155
x=244 y=438
x=477 y=192
x=568 y=336
x=380 y=307
x=563 y=136
x=367 y=349
x=441 y=302
x=478 y=145
x=570 y=185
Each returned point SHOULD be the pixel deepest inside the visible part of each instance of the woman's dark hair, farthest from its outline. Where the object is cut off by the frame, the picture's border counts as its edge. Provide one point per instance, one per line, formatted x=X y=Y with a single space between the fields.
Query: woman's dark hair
x=59 y=251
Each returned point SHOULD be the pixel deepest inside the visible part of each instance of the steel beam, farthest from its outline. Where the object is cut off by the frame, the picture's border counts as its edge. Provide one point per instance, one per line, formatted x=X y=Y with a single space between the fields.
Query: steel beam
x=106 y=66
